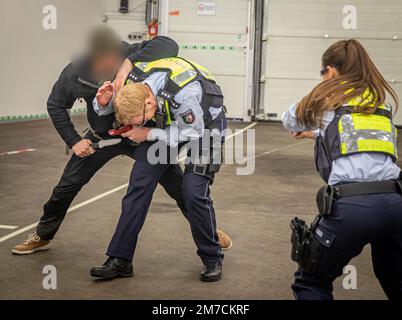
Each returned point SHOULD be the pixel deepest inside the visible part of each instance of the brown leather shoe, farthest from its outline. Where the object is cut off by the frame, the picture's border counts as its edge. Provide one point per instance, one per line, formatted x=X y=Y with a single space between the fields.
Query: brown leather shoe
x=31 y=245
x=224 y=240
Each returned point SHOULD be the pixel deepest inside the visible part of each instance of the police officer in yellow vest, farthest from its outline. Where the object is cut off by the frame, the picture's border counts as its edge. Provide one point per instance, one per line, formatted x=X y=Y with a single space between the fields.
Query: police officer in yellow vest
x=187 y=105
x=356 y=150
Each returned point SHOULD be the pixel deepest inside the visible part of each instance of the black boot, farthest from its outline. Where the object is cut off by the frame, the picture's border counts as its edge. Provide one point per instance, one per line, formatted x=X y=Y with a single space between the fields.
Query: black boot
x=212 y=272
x=113 y=268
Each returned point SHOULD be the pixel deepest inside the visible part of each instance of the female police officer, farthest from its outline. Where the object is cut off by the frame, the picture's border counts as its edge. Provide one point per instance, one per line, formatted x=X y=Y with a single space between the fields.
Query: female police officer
x=356 y=149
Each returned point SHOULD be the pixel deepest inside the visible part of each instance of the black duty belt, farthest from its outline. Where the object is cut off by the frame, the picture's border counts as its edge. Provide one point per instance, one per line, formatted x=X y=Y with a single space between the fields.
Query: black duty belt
x=365 y=188
x=328 y=194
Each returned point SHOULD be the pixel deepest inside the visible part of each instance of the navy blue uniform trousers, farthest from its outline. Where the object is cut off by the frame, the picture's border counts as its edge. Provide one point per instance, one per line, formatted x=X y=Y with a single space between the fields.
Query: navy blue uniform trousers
x=200 y=211
x=355 y=222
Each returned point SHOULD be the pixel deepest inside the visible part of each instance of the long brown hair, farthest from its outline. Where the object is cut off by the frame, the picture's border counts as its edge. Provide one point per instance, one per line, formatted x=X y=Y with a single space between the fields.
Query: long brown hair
x=356 y=71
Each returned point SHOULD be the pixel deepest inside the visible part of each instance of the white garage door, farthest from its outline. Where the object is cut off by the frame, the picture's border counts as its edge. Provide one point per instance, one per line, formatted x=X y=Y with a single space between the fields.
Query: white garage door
x=215 y=34
x=300 y=31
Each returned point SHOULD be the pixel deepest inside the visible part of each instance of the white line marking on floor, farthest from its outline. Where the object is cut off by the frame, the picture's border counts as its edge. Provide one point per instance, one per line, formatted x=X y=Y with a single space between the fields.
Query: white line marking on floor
x=280 y=148
x=105 y=194
x=274 y=150
x=3 y=226
x=16 y=152
x=16 y=233
x=252 y=125
x=76 y=207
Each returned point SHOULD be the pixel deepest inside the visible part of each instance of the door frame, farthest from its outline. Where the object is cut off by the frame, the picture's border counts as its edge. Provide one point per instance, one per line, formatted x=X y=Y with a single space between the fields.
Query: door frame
x=163 y=6
x=249 y=51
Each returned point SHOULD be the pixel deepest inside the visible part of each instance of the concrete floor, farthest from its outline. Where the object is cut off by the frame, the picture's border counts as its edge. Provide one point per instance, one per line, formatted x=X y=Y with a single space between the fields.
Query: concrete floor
x=255 y=210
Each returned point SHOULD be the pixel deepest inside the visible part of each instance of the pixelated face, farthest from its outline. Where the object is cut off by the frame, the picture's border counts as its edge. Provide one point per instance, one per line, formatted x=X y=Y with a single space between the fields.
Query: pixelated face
x=105 y=67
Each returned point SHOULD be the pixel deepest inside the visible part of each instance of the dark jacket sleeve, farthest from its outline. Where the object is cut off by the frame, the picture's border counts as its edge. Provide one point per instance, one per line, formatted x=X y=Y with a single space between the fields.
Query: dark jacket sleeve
x=60 y=100
x=155 y=49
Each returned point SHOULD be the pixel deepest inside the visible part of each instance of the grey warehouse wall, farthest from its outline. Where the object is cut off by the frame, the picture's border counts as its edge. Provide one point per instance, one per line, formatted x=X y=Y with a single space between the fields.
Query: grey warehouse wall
x=31 y=56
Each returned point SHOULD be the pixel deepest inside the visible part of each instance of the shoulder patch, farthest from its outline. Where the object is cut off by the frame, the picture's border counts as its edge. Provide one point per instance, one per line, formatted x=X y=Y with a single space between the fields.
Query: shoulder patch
x=188 y=117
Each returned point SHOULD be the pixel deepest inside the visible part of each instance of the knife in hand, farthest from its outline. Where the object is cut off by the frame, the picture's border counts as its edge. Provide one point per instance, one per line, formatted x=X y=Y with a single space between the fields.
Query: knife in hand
x=105 y=143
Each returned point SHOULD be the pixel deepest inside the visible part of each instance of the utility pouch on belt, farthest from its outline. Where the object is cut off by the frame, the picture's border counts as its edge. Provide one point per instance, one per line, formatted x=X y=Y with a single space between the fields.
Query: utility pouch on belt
x=399 y=184
x=216 y=152
x=205 y=170
x=306 y=250
x=325 y=200
x=200 y=170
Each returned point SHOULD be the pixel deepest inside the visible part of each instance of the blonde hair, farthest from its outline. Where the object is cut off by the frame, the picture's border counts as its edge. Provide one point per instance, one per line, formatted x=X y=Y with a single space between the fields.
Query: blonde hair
x=130 y=102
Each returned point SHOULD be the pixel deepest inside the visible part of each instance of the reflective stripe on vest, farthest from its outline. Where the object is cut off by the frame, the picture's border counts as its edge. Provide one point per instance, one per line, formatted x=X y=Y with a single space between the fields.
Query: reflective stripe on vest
x=182 y=72
x=367 y=132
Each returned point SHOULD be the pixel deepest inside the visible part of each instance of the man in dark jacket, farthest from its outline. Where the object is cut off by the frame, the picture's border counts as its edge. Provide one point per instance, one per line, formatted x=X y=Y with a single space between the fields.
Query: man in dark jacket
x=106 y=57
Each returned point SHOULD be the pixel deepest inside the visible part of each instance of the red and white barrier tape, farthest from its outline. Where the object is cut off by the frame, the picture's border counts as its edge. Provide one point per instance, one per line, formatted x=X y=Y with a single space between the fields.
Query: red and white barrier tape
x=17 y=152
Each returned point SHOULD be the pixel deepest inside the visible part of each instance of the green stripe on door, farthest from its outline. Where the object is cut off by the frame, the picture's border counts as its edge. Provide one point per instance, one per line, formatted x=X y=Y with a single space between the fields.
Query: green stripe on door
x=36 y=116
x=210 y=47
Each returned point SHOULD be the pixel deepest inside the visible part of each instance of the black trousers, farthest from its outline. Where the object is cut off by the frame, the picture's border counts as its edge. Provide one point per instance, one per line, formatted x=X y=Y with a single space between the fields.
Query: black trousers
x=355 y=222
x=79 y=172
x=135 y=205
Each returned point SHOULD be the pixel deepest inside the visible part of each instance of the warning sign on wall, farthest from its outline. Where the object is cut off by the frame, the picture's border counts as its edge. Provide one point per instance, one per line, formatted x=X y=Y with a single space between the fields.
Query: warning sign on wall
x=174 y=13
x=206 y=8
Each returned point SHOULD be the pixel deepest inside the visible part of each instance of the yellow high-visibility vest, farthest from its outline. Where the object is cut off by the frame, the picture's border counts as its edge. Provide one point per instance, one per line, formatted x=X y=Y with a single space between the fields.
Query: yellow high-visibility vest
x=181 y=71
x=351 y=132
x=367 y=133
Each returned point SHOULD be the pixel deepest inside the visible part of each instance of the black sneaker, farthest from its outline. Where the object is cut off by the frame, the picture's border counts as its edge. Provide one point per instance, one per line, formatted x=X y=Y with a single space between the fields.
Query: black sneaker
x=113 y=268
x=212 y=272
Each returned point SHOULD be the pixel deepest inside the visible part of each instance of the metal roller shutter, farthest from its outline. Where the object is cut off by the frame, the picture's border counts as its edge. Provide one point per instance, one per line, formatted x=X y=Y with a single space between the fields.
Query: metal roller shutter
x=218 y=38
x=298 y=32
